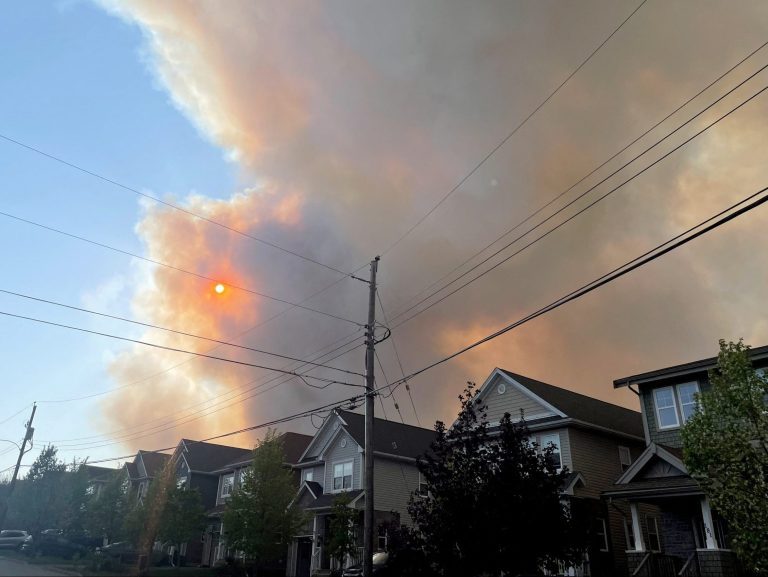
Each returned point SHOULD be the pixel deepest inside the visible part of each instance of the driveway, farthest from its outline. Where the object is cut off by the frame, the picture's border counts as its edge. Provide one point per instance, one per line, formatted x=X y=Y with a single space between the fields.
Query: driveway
x=14 y=568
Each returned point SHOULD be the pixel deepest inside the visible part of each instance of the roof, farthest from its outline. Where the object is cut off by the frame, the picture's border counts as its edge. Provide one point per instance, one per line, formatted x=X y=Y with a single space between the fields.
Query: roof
x=98 y=473
x=700 y=366
x=153 y=462
x=208 y=457
x=661 y=487
x=293 y=447
x=326 y=501
x=132 y=469
x=584 y=408
x=388 y=436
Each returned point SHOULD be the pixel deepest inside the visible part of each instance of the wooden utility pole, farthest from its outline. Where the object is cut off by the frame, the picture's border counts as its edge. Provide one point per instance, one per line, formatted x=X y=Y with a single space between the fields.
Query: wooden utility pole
x=369 y=394
x=27 y=437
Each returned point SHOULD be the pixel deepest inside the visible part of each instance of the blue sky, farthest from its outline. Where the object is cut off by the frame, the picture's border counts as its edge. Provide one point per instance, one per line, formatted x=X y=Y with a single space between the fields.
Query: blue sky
x=75 y=85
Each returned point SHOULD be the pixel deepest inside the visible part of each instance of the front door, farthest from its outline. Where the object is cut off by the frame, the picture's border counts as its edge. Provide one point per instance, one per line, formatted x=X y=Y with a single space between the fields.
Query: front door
x=303 y=556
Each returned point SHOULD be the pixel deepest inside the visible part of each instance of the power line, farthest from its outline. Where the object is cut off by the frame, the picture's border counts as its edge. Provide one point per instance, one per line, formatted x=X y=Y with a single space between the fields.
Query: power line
x=392 y=394
x=512 y=133
x=221 y=400
x=592 y=172
x=164 y=347
x=183 y=333
x=172 y=267
x=585 y=208
x=171 y=205
x=660 y=250
x=397 y=357
x=16 y=414
x=286 y=419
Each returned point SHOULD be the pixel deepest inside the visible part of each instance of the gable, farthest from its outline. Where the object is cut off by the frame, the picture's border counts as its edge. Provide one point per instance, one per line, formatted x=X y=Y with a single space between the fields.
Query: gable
x=656 y=462
x=658 y=468
x=322 y=438
x=503 y=394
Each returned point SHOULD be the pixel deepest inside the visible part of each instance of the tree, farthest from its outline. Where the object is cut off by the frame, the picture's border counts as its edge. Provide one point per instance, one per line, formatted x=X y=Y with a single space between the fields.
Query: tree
x=182 y=517
x=341 y=539
x=493 y=504
x=725 y=447
x=260 y=517
x=106 y=513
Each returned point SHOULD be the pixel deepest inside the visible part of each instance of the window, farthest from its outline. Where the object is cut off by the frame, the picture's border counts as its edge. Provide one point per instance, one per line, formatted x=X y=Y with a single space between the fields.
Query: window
x=181 y=482
x=629 y=533
x=687 y=395
x=227 y=484
x=342 y=476
x=653 y=534
x=309 y=475
x=625 y=458
x=422 y=491
x=601 y=534
x=381 y=541
x=554 y=440
x=666 y=412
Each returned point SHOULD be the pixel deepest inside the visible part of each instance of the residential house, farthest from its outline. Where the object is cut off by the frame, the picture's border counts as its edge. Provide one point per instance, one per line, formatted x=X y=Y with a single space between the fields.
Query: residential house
x=97 y=478
x=146 y=465
x=594 y=439
x=685 y=536
x=332 y=465
x=230 y=477
x=196 y=465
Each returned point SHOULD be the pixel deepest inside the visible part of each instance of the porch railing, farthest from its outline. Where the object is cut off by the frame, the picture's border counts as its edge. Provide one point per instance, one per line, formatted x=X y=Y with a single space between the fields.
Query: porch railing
x=657 y=565
x=691 y=567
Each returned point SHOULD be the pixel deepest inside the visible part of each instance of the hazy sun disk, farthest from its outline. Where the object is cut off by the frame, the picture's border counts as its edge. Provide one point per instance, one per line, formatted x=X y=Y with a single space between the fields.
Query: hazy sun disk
x=219 y=288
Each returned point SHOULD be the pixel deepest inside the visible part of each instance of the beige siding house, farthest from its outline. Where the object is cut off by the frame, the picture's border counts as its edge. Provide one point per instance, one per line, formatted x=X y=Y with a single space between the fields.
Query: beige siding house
x=332 y=465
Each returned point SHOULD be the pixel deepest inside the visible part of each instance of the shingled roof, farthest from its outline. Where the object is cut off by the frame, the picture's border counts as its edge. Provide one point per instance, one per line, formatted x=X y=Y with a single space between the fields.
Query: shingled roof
x=209 y=457
x=293 y=447
x=154 y=462
x=584 y=408
x=388 y=436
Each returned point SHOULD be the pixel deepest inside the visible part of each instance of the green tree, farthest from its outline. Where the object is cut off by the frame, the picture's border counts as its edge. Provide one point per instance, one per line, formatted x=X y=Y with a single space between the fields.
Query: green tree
x=493 y=505
x=725 y=447
x=260 y=518
x=182 y=517
x=106 y=513
x=342 y=539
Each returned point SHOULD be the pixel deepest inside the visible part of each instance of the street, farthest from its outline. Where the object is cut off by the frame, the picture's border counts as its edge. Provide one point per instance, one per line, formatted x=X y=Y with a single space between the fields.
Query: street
x=12 y=567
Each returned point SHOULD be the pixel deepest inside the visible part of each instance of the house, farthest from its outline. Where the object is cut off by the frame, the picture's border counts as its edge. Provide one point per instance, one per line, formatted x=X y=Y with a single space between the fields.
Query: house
x=332 y=465
x=146 y=465
x=97 y=478
x=230 y=477
x=685 y=536
x=594 y=439
x=196 y=465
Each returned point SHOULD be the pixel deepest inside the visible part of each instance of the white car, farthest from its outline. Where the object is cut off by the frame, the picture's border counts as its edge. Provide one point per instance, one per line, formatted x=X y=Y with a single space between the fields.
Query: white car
x=13 y=539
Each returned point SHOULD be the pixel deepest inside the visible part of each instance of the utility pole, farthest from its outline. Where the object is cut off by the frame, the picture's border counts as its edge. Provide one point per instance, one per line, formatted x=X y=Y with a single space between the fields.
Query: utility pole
x=369 y=394
x=27 y=437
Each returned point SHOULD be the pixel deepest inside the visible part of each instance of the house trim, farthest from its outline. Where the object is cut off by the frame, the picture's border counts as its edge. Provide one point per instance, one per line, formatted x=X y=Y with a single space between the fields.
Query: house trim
x=652 y=450
x=497 y=372
x=571 y=486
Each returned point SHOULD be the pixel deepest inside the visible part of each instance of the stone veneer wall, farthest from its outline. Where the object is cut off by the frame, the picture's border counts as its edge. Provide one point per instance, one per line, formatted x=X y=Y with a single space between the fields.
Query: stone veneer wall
x=716 y=563
x=677 y=533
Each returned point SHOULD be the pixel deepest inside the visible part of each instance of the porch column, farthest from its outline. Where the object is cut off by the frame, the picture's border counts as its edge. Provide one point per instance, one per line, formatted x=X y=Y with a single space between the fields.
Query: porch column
x=709 y=526
x=637 y=529
x=315 y=547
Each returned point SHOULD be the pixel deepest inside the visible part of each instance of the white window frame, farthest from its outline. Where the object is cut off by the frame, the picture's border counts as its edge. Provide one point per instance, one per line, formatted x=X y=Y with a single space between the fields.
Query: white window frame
x=629 y=533
x=671 y=389
x=419 y=492
x=351 y=464
x=309 y=474
x=683 y=418
x=650 y=519
x=604 y=546
x=625 y=458
x=224 y=484
x=547 y=438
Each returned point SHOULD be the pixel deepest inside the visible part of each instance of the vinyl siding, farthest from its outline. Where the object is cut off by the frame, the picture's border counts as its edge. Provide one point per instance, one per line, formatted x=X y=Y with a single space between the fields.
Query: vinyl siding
x=596 y=457
x=669 y=437
x=565 y=444
x=393 y=483
x=512 y=401
x=322 y=436
x=336 y=454
x=317 y=474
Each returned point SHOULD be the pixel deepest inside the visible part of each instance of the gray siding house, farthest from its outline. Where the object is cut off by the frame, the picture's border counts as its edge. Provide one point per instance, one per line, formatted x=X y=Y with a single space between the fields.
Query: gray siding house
x=332 y=465
x=146 y=465
x=684 y=536
x=596 y=441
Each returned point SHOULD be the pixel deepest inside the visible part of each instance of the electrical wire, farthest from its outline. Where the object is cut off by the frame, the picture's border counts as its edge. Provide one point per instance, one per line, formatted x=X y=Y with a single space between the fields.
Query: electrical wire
x=183 y=333
x=512 y=133
x=592 y=172
x=172 y=267
x=170 y=204
x=734 y=211
x=16 y=414
x=164 y=347
x=585 y=208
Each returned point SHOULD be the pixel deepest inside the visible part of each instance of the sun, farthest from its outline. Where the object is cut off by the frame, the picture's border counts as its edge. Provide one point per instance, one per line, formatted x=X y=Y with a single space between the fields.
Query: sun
x=219 y=288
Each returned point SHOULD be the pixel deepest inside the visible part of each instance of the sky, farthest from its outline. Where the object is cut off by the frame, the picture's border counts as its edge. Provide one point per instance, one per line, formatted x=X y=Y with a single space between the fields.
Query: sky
x=330 y=129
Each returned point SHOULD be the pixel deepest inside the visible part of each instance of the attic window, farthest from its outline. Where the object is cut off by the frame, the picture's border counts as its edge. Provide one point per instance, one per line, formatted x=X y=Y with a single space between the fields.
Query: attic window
x=501 y=389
